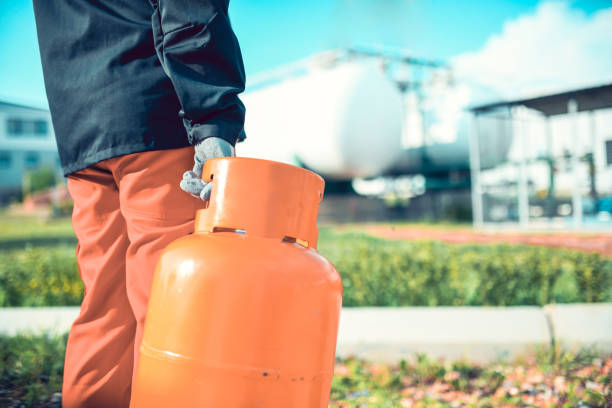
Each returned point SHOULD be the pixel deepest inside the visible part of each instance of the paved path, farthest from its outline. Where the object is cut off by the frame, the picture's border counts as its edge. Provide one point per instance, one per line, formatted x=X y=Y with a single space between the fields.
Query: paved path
x=37 y=319
x=388 y=334
x=480 y=334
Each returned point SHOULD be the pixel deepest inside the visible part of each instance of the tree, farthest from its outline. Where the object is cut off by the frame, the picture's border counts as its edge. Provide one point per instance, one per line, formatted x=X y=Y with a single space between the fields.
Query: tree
x=38 y=179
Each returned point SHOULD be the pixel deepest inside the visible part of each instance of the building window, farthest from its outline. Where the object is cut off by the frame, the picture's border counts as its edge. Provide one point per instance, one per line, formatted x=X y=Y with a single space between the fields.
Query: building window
x=31 y=159
x=609 y=152
x=14 y=126
x=20 y=127
x=5 y=160
x=40 y=127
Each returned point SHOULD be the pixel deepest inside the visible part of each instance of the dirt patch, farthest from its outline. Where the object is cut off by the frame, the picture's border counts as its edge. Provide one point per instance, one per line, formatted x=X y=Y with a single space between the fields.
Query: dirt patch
x=601 y=243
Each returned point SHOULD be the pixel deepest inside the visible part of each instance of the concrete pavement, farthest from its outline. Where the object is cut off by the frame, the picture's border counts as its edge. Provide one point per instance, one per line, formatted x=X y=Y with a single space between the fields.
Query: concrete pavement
x=389 y=334
x=478 y=333
x=55 y=320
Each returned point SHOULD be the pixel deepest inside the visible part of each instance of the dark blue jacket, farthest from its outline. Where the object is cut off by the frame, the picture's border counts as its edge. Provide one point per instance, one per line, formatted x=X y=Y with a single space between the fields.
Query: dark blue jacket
x=126 y=76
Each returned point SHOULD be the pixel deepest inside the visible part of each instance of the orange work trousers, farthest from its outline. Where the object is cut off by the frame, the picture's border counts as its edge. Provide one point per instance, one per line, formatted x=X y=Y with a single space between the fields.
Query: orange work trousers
x=127 y=209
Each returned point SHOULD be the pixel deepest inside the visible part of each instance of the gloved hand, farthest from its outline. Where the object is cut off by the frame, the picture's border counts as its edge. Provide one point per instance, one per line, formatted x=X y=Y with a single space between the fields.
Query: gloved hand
x=207 y=149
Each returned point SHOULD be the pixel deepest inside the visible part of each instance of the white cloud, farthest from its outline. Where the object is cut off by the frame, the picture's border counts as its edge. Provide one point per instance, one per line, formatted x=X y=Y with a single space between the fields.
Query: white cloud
x=555 y=48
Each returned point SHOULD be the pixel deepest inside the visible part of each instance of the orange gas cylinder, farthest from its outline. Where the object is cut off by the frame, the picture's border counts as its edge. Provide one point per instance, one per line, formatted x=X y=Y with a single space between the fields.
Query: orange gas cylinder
x=244 y=312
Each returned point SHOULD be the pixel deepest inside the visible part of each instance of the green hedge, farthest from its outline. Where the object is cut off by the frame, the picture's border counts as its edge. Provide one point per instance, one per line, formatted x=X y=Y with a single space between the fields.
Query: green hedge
x=375 y=272
x=378 y=272
x=45 y=276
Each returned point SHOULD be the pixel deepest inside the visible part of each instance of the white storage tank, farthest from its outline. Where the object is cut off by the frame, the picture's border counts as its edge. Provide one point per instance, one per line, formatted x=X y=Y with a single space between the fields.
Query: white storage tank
x=342 y=120
x=345 y=118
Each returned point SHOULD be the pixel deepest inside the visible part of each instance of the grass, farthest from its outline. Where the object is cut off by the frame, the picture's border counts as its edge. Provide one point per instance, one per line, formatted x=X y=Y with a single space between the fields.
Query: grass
x=18 y=231
x=25 y=226
x=430 y=225
x=574 y=379
x=31 y=368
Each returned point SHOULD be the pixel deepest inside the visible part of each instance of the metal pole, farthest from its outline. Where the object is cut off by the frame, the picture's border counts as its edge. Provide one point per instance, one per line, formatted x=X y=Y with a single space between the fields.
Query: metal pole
x=523 y=193
x=404 y=107
x=593 y=160
x=550 y=161
x=572 y=110
x=594 y=138
x=477 y=210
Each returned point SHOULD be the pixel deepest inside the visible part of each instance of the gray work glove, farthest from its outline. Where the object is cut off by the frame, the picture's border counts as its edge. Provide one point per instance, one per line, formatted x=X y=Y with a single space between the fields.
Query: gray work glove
x=207 y=149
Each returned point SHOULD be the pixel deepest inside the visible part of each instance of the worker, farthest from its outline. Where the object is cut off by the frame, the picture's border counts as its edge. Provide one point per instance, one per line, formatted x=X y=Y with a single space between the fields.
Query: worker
x=137 y=89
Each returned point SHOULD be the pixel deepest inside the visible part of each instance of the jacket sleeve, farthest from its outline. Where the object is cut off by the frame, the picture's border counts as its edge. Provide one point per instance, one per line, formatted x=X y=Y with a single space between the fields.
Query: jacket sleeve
x=200 y=53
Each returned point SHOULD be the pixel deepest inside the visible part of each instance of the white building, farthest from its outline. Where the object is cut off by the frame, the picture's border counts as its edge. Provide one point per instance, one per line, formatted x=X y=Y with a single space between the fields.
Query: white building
x=27 y=142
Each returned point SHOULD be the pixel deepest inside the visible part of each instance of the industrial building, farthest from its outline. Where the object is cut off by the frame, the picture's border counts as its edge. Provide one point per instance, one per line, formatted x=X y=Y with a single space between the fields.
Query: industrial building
x=558 y=170
x=403 y=132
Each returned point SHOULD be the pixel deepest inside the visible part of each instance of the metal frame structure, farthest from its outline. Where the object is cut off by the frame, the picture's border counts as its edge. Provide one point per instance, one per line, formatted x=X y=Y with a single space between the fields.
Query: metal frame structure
x=564 y=103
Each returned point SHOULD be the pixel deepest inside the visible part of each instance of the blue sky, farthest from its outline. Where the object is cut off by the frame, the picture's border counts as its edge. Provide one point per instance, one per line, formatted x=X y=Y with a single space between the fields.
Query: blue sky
x=272 y=32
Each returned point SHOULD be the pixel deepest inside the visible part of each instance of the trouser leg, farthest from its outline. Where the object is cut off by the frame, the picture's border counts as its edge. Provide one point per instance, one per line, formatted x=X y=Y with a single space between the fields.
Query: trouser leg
x=99 y=354
x=157 y=212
